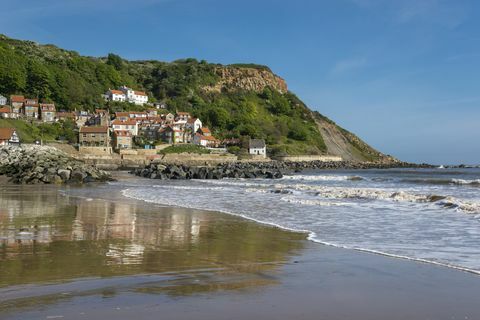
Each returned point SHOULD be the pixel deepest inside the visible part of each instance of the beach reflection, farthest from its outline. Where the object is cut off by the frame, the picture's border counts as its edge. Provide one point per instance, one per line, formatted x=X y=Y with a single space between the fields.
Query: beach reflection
x=49 y=237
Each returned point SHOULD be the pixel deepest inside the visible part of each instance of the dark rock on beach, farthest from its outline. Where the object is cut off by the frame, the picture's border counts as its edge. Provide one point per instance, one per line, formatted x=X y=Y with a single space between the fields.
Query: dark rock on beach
x=29 y=164
x=251 y=170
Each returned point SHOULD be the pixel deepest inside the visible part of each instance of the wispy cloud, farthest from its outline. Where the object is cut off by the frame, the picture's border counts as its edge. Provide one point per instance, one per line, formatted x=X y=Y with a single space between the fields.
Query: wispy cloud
x=348 y=65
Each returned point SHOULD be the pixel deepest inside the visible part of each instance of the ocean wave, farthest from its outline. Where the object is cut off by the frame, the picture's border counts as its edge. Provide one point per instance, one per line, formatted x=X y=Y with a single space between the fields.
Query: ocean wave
x=309 y=202
x=322 y=178
x=475 y=182
x=388 y=195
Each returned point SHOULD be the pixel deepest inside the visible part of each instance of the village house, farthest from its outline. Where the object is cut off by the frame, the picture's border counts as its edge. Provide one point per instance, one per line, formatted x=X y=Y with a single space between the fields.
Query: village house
x=130 y=125
x=169 y=135
x=16 y=102
x=30 y=108
x=257 y=147
x=5 y=112
x=168 y=117
x=124 y=116
x=47 y=112
x=152 y=113
x=100 y=118
x=194 y=124
x=122 y=139
x=115 y=95
x=94 y=137
x=82 y=118
x=8 y=136
x=3 y=100
x=182 y=117
x=136 y=97
x=205 y=141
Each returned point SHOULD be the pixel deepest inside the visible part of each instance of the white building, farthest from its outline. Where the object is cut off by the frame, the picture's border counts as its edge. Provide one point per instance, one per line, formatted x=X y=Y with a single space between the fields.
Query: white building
x=136 y=97
x=257 y=147
x=194 y=124
x=128 y=125
x=3 y=101
x=115 y=95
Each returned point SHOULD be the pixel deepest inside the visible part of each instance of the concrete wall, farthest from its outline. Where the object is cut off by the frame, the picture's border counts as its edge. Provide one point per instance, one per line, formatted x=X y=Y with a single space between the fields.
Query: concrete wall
x=95 y=150
x=306 y=158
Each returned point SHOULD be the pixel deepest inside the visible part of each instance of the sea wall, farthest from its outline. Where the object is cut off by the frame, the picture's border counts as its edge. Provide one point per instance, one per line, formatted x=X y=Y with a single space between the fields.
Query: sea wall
x=307 y=158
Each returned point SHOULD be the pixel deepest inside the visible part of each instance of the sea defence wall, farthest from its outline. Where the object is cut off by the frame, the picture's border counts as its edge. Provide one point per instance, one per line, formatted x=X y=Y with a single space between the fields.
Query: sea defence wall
x=194 y=159
x=306 y=158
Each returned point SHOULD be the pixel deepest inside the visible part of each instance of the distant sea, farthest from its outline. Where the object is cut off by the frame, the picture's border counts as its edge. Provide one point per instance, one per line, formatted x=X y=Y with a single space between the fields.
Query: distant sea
x=429 y=215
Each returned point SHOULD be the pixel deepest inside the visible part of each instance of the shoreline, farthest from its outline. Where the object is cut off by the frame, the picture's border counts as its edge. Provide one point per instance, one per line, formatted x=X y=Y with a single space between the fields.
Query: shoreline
x=324 y=281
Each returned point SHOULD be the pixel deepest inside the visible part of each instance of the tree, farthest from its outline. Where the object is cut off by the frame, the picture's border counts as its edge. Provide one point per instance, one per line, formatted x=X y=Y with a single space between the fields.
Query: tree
x=115 y=61
x=38 y=80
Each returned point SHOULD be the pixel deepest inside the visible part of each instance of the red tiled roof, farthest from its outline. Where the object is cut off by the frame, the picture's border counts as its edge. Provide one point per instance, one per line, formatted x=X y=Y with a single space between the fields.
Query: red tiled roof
x=5 y=109
x=140 y=93
x=116 y=92
x=126 y=122
x=94 y=129
x=205 y=130
x=47 y=106
x=17 y=98
x=123 y=133
x=6 y=133
x=183 y=113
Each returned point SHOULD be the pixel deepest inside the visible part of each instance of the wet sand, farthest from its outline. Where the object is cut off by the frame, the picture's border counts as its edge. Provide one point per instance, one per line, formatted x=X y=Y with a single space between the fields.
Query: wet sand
x=64 y=257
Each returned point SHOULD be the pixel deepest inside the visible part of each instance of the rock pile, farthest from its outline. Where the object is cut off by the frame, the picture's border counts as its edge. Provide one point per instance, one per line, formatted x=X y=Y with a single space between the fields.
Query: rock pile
x=30 y=164
x=267 y=170
x=229 y=170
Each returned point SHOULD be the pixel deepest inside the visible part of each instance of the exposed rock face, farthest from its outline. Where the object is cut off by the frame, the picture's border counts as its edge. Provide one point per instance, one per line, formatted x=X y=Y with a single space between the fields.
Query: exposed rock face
x=45 y=165
x=249 y=79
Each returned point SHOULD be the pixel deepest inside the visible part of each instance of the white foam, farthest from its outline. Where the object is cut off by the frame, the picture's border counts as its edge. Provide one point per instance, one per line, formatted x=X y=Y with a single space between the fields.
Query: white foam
x=322 y=178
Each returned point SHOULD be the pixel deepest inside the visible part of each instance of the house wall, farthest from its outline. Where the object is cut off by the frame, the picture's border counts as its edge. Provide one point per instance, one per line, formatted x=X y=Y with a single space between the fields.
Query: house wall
x=94 y=139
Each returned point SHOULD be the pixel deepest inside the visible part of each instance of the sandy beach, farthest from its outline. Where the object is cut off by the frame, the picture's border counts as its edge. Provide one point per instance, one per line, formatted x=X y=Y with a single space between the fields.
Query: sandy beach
x=64 y=257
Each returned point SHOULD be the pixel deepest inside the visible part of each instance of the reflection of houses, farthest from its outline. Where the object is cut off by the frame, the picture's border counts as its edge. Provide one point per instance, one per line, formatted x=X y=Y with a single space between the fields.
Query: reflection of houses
x=8 y=136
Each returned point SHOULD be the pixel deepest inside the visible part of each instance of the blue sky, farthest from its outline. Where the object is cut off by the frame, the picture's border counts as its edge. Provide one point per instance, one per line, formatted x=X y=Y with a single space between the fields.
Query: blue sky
x=402 y=74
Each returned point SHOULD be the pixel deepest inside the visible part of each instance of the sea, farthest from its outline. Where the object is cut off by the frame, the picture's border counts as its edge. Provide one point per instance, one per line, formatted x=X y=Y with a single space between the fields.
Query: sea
x=427 y=215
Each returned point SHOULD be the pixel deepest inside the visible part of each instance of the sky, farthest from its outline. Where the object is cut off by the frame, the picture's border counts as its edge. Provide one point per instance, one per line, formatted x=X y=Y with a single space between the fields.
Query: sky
x=404 y=75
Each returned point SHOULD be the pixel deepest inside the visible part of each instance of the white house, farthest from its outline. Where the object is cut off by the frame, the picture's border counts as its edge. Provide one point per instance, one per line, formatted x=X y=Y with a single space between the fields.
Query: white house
x=3 y=100
x=194 y=124
x=115 y=95
x=257 y=147
x=128 y=125
x=136 y=97
x=205 y=141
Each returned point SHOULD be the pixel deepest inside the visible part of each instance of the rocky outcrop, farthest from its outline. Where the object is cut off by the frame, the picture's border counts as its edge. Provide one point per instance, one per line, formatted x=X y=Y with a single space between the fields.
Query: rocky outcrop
x=30 y=164
x=248 y=79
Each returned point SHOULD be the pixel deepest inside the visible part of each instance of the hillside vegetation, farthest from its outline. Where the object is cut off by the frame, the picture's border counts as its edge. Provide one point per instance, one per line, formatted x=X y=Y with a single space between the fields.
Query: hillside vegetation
x=235 y=100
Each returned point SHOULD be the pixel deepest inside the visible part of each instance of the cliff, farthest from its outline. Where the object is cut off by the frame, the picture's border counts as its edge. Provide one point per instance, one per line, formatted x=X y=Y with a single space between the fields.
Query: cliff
x=246 y=78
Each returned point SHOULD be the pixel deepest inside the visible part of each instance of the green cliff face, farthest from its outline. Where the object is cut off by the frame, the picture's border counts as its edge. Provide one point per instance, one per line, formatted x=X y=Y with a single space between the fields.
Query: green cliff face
x=236 y=100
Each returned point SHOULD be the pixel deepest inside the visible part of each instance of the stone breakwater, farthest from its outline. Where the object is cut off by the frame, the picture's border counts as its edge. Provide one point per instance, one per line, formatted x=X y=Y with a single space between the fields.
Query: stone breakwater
x=229 y=170
x=246 y=170
x=29 y=164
